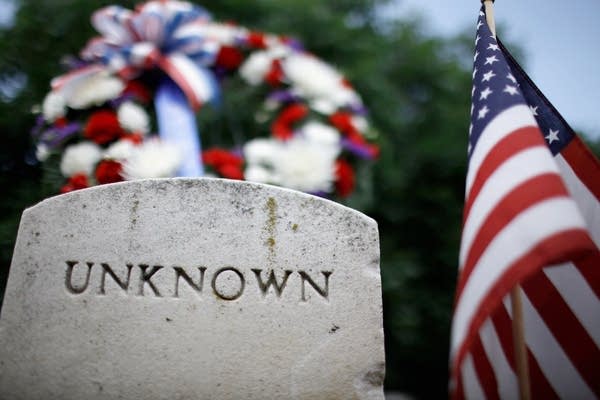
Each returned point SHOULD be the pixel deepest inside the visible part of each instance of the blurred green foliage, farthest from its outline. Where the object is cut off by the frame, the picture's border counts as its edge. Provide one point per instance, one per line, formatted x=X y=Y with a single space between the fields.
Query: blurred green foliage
x=417 y=89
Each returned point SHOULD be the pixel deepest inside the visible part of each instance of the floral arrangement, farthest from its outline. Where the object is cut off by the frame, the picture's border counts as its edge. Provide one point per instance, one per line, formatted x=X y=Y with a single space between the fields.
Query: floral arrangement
x=98 y=117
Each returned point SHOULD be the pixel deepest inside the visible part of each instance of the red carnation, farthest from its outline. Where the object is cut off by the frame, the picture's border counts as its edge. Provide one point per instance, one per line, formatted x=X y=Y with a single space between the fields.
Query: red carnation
x=231 y=171
x=61 y=122
x=274 y=76
x=109 y=171
x=229 y=58
x=257 y=40
x=344 y=178
x=138 y=90
x=135 y=138
x=282 y=126
x=75 y=182
x=225 y=163
x=103 y=127
x=343 y=122
x=217 y=156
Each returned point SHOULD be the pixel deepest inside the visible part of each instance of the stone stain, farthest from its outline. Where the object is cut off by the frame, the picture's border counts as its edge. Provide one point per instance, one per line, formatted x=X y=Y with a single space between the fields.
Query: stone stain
x=134 y=210
x=271 y=222
x=375 y=376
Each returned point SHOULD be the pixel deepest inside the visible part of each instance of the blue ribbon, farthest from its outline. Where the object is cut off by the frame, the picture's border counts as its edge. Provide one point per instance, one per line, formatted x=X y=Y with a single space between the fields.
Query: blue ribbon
x=177 y=125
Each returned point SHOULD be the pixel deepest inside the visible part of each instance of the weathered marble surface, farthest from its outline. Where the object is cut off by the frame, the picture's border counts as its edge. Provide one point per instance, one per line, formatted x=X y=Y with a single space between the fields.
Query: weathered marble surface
x=178 y=303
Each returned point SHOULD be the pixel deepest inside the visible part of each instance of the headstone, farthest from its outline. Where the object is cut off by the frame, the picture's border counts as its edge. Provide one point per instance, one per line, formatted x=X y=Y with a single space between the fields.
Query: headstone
x=192 y=289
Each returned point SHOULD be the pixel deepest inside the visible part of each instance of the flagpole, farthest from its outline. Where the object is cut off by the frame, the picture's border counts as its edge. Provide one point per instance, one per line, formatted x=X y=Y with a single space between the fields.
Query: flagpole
x=520 y=350
x=489 y=15
x=518 y=327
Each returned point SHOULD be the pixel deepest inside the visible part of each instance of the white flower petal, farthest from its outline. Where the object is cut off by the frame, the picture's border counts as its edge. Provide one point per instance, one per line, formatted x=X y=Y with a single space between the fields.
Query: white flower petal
x=42 y=152
x=255 y=67
x=320 y=133
x=311 y=76
x=152 y=159
x=306 y=166
x=120 y=150
x=257 y=173
x=80 y=158
x=133 y=118
x=54 y=106
x=93 y=91
x=260 y=151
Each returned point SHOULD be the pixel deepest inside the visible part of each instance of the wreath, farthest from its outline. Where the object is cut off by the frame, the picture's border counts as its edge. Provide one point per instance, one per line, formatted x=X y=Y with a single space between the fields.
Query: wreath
x=166 y=60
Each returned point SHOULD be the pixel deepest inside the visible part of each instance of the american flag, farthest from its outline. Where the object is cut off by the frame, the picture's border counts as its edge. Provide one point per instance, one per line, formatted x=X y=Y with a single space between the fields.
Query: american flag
x=532 y=220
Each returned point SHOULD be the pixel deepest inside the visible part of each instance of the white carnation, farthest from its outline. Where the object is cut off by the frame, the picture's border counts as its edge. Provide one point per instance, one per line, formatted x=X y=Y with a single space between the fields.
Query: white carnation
x=257 y=173
x=256 y=66
x=120 y=150
x=152 y=159
x=320 y=133
x=323 y=105
x=310 y=76
x=42 y=152
x=306 y=166
x=94 y=90
x=133 y=118
x=321 y=84
x=360 y=123
x=80 y=158
x=260 y=151
x=54 y=107
x=337 y=97
x=301 y=163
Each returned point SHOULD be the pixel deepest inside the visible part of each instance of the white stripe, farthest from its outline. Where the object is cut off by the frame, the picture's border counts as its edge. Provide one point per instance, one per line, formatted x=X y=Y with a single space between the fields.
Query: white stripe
x=198 y=80
x=74 y=78
x=553 y=361
x=141 y=50
x=505 y=376
x=503 y=124
x=514 y=171
x=114 y=32
x=471 y=387
x=586 y=201
x=578 y=295
x=516 y=239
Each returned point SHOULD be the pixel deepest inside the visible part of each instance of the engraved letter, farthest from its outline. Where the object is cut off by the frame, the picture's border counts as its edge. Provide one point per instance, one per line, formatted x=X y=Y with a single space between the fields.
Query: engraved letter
x=72 y=289
x=272 y=281
x=179 y=272
x=106 y=269
x=322 y=291
x=145 y=278
x=225 y=296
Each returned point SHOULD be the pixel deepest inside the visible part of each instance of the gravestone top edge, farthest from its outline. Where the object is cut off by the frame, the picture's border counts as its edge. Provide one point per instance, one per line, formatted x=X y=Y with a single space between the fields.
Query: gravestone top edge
x=180 y=181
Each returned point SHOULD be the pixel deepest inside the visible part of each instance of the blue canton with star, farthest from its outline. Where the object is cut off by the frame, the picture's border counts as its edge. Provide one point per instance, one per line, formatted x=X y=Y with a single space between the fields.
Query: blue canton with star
x=555 y=129
x=499 y=83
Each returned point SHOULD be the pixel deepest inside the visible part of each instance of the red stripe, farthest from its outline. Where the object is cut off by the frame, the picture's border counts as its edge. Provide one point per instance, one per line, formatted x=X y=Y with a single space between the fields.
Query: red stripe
x=525 y=195
x=584 y=164
x=181 y=81
x=58 y=82
x=540 y=386
x=484 y=370
x=555 y=249
x=566 y=328
x=458 y=392
x=517 y=141
x=589 y=268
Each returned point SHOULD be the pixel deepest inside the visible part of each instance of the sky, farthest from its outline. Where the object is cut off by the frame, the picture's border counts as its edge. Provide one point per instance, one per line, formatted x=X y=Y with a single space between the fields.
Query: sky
x=560 y=40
